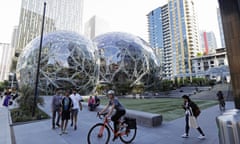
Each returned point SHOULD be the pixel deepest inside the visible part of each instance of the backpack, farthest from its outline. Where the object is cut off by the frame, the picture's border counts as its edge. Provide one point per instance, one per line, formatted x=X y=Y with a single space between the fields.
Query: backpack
x=196 y=110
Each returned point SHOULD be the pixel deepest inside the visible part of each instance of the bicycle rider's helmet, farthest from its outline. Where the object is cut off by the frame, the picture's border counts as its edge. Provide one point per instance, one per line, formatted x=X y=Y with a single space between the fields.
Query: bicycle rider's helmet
x=110 y=92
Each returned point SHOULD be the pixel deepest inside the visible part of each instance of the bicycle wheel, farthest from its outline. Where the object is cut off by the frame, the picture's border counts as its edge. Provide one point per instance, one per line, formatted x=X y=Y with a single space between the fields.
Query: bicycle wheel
x=129 y=136
x=98 y=134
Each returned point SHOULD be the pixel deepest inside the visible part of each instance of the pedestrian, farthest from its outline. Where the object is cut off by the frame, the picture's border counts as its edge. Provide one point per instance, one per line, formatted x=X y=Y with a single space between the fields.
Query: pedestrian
x=191 y=111
x=91 y=103
x=7 y=99
x=119 y=111
x=221 y=101
x=14 y=94
x=66 y=106
x=97 y=101
x=76 y=98
x=56 y=108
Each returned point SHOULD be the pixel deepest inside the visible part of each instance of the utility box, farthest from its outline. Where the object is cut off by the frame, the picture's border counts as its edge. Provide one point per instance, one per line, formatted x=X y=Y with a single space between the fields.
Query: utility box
x=229 y=127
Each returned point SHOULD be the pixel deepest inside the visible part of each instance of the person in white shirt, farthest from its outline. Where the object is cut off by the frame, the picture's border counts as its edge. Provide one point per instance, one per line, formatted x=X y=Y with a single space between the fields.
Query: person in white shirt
x=76 y=99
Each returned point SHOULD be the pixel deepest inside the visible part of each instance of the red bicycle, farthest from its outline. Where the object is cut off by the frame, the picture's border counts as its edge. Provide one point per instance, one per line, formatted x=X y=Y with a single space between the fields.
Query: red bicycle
x=100 y=132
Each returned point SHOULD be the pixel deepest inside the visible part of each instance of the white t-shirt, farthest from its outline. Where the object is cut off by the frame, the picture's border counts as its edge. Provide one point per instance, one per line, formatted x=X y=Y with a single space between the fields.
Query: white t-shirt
x=75 y=99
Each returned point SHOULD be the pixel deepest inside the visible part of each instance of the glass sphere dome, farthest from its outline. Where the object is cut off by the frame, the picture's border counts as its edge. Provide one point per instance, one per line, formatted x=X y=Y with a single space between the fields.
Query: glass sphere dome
x=67 y=61
x=125 y=58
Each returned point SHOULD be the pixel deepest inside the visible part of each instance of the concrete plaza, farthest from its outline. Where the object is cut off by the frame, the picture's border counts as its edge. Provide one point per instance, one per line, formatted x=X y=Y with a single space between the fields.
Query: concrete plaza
x=168 y=133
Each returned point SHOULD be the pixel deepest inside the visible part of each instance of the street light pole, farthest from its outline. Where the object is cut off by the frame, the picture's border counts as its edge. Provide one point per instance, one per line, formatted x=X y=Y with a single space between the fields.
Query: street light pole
x=38 y=65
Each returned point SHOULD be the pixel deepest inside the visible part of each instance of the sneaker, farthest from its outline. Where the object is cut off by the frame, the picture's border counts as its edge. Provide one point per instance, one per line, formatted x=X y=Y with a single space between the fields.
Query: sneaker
x=58 y=125
x=75 y=127
x=65 y=132
x=201 y=137
x=61 y=133
x=185 y=135
x=71 y=124
x=53 y=127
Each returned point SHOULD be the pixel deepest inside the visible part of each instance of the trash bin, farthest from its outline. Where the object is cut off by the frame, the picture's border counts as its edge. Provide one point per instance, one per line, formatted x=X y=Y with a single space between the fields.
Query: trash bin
x=229 y=127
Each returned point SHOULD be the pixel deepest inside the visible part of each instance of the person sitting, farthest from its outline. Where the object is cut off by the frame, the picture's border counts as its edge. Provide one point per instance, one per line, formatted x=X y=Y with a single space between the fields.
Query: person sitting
x=97 y=101
x=7 y=100
x=91 y=103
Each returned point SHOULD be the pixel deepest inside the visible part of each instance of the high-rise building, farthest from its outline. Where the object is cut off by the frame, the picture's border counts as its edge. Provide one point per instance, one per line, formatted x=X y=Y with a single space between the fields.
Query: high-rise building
x=95 y=26
x=155 y=27
x=208 y=43
x=219 y=18
x=159 y=35
x=178 y=23
x=5 y=60
x=14 y=39
x=59 y=15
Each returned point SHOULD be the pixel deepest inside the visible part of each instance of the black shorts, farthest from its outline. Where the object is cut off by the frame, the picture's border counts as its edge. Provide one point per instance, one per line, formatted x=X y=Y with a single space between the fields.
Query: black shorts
x=65 y=115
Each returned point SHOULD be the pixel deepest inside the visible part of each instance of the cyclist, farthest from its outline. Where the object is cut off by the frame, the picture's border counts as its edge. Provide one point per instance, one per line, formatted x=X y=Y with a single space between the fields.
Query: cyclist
x=119 y=111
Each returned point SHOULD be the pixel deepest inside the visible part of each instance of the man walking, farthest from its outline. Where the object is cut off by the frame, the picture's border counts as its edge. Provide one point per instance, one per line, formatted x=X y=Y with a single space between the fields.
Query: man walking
x=56 y=108
x=66 y=106
x=76 y=98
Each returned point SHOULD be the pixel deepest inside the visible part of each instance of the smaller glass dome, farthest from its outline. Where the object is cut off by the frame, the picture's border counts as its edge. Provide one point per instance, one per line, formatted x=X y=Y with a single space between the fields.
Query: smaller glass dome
x=126 y=58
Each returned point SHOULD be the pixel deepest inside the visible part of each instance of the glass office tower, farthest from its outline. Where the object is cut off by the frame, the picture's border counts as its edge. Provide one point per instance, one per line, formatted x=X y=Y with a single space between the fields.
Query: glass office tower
x=60 y=15
x=159 y=37
x=184 y=34
x=179 y=37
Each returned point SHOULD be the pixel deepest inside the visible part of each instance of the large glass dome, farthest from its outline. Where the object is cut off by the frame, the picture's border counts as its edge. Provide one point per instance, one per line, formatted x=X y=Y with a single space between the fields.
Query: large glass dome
x=67 y=61
x=126 y=58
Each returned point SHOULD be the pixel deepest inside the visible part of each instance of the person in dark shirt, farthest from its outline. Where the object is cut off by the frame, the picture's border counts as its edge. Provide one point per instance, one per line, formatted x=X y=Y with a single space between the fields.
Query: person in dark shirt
x=91 y=103
x=119 y=111
x=56 y=105
x=97 y=101
x=66 y=107
x=221 y=101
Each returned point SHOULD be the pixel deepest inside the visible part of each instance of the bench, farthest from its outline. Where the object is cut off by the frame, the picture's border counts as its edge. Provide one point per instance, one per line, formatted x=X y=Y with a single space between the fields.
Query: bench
x=143 y=118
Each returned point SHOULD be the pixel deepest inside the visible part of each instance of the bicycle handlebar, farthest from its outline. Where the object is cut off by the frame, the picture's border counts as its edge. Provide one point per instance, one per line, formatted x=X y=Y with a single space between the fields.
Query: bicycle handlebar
x=101 y=116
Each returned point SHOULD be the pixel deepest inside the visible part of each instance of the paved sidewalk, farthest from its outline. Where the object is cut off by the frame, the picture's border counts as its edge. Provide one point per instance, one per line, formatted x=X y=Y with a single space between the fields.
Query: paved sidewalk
x=167 y=133
x=5 y=131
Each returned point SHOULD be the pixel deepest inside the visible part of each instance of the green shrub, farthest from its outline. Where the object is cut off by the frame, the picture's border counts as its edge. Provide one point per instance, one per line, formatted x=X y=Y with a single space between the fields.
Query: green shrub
x=27 y=106
x=18 y=115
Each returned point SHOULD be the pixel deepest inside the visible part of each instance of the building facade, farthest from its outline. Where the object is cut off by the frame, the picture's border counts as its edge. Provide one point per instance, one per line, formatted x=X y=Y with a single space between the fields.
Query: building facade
x=6 y=53
x=95 y=26
x=59 y=15
x=179 y=36
x=219 y=18
x=208 y=43
x=212 y=66
x=159 y=35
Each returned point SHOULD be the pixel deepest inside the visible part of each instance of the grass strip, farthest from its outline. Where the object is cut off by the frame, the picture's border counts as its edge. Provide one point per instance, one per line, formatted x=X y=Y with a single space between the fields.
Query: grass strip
x=169 y=108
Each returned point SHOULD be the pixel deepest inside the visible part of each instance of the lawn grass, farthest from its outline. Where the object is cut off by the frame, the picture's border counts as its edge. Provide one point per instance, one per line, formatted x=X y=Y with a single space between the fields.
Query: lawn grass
x=169 y=108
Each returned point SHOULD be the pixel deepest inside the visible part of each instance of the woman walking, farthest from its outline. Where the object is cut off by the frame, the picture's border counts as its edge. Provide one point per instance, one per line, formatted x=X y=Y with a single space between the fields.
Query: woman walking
x=191 y=111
